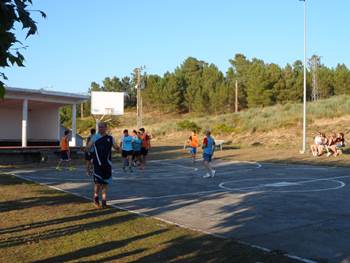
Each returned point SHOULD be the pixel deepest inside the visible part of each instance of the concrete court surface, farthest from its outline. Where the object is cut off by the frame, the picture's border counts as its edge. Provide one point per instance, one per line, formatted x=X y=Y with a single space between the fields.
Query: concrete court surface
x=297 y=209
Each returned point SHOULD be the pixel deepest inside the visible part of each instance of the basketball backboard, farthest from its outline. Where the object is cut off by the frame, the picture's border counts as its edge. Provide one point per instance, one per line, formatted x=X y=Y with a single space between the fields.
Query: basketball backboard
x=107 y=103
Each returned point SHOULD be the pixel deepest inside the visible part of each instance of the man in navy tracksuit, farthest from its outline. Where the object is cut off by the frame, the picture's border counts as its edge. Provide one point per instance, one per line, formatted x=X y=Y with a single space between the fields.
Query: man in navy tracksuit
x=102 y=144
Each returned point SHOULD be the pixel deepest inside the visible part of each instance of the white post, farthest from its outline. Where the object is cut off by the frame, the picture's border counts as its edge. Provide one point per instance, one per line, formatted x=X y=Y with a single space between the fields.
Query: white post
x=58 y=125
x=74 y=124
x=24 y=122
x=304 y=106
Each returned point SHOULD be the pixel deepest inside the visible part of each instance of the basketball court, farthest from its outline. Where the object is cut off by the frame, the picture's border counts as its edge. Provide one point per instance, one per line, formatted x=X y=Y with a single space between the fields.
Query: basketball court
x=296 y=209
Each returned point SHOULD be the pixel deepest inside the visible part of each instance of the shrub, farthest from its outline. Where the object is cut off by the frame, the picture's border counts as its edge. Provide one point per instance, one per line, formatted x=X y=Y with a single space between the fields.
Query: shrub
x=188 y=125
x=223 y=128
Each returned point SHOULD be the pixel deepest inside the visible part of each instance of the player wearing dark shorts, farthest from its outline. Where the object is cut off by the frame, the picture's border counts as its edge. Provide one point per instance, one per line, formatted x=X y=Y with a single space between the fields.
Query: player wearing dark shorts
x=102 y=144
x=145 y=146
x=127 y=150
x=137 y=143
x=193 y=142
x=208 y=151
x=65 y=152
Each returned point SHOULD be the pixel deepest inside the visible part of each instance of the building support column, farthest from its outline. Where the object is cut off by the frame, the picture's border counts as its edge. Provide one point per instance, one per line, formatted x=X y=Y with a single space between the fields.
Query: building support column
x=24 y=122
x=58 y=125
x=74 y=124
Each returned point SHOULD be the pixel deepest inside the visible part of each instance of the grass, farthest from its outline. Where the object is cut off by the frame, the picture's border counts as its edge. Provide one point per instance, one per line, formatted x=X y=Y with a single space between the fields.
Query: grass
x=39 y=224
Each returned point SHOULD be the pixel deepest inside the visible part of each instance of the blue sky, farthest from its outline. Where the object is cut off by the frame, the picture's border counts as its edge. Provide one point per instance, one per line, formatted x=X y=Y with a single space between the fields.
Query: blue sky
x=87 y=40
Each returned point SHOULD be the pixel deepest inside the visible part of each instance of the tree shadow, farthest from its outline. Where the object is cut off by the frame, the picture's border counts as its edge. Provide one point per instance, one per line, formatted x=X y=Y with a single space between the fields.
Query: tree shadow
x=65 y=231
x=6 y=179
x=90 y=214
x=31 y=202
x=102 y=248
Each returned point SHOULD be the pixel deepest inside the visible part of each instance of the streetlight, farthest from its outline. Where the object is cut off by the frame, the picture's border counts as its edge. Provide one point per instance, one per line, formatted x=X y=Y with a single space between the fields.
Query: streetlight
x=304 y=104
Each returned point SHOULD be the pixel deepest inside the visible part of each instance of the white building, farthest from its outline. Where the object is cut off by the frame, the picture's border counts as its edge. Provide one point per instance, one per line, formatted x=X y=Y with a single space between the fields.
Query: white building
x=31 y=117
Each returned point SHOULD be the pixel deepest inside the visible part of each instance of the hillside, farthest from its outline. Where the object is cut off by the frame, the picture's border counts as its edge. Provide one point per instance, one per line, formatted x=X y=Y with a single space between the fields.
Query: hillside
x=275 y=126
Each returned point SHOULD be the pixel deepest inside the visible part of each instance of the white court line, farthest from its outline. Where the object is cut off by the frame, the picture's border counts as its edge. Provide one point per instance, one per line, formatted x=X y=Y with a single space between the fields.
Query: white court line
x=174 y=164
x=325 y=179
x=134 y=178
x=305 y=260
x=168 y=196
x=332 y=179
x=224 y=163
x=60 y=179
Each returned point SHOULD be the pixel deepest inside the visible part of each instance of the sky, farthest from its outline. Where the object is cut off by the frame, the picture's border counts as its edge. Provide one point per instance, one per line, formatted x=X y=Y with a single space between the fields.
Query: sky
x=82 y=41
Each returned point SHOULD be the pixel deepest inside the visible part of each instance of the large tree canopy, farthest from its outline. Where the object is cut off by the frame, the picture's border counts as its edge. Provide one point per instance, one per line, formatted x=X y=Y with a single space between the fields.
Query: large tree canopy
x=12 y=12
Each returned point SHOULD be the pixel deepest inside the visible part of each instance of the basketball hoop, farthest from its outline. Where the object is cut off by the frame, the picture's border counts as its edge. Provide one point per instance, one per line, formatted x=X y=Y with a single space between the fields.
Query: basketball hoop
x=109 y=111
x=106 y=104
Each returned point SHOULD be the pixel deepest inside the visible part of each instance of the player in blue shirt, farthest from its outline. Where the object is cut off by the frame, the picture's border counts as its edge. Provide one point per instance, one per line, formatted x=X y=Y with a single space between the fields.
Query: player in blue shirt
x=126 y=144
x=208 y=147
x=137 y=144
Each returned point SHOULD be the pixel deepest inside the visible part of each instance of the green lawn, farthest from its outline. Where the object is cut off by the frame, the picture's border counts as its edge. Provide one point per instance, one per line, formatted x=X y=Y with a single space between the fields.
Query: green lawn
x=39 y=224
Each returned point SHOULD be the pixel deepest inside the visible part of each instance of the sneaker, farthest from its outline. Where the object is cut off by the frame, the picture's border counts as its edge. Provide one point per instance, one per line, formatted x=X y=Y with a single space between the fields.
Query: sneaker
x=71 y=169
x=58 y=168
x=207 y=175
x=329 y=154
x=104 y=204
x=213 y=173
x=96 y=202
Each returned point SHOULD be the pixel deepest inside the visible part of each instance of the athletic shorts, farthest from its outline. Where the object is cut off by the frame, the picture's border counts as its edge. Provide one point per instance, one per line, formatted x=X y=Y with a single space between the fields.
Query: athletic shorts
x=88 y=156
x=137 y=153
x=104 y=178
x=65 y=156
x=127 y=153
x=207 y=157
x=193 y=150
x=144 y=151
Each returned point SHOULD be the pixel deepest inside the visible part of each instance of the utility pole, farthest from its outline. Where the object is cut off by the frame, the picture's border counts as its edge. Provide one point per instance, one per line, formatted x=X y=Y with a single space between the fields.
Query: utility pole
x=138 y=98
x=236 y=97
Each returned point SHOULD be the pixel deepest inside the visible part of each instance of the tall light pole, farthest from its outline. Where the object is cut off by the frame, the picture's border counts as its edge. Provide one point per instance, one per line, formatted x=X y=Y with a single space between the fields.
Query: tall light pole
x=304 y=104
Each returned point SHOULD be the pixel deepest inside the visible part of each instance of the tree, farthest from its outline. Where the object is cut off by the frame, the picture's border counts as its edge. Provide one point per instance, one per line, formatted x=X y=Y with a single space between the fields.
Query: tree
x=259 y=86
x=342 y=80
x=12 y=11
x=239 y=71
x=171 y=93
x=112 y=84
x=208 y=98
x=190 y=72
x=325 y=82
x=151 y=94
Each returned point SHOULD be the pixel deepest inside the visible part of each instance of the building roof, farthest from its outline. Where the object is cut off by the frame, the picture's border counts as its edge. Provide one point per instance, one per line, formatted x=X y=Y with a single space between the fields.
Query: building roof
x=45 y=95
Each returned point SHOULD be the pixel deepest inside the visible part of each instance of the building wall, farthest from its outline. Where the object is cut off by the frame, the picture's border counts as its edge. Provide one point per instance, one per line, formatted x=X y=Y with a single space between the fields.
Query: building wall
x=11 y=124
x=43 y=124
